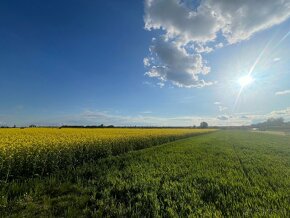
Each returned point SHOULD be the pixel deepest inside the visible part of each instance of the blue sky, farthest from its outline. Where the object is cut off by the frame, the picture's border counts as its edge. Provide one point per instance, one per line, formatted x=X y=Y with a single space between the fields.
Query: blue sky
x=143 y=62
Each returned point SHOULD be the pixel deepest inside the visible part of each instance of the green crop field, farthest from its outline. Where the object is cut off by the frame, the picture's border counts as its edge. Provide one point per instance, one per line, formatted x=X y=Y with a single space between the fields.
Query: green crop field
x=224 y=173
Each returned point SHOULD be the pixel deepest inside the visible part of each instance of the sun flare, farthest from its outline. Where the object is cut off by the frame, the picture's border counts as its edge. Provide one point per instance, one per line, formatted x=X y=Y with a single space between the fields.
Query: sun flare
x=245 y=80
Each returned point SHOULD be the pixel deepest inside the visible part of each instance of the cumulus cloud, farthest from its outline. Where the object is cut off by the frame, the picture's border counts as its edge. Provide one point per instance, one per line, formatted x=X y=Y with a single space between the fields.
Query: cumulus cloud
x=179 y=20
x=185 y=23
x=174 y=63
x=223 y=117
x=244 y=18
x=237 y=20
x=199 y=48
x=278 y=113
x=285 y=92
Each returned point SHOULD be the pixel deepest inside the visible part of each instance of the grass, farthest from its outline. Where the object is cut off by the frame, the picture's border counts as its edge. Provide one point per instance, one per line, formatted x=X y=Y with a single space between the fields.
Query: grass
x=225 y=173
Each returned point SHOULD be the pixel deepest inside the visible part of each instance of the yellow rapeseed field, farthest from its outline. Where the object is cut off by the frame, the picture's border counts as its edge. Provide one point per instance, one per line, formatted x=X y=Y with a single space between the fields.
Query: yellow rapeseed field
x=40 y=151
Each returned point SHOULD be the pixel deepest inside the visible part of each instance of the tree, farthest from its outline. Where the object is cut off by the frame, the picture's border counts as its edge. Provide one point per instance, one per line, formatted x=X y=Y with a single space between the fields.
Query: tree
x=271 y=122
x=275 y=121
x=203 y=125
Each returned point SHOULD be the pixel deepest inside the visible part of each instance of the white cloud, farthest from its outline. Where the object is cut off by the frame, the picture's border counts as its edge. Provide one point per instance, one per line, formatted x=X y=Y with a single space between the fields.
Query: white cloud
x=244 y=18
x=146 y=62
x=222 y=108
x=281 y=113
x=161 y=84
x=285 y=92
x=91 y=117
x=184 y=23
x=276 y=59
x=147 y=83
x=98 y=117
x=219 y=45
x=223 y=117
x=244 y=117
x=146 y=119
x=237 y=20
x=199 y=48
x=178 y=20
x=175 y=64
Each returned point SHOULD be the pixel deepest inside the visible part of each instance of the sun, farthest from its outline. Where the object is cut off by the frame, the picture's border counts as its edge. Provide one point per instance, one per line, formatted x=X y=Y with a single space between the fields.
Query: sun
x=245 y=80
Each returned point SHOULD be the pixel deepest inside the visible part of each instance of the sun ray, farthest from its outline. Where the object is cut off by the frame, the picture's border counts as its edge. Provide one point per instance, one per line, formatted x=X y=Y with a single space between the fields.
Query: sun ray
x=281 y=40
x=258 y=59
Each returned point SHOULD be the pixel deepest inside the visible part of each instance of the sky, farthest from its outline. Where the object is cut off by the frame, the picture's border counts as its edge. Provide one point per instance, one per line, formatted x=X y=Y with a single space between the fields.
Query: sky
x=144 y=62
